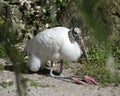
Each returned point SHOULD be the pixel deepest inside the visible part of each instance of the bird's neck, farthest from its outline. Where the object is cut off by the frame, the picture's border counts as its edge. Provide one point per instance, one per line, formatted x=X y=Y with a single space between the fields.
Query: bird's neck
x=75 y=50
x=75 y=45
x=72 y=38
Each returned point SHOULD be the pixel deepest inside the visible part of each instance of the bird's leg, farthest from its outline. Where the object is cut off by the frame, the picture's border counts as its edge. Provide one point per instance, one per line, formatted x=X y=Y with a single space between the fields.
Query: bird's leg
x=61 y=68
x=79 y=80
x=51 y=69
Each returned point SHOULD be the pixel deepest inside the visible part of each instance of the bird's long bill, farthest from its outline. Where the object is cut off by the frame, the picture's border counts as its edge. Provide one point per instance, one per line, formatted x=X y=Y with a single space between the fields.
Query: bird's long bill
x=83 y=49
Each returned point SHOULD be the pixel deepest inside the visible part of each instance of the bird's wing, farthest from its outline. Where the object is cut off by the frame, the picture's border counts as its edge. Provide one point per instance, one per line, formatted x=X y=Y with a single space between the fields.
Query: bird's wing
x=48 y=42
x=52 y=38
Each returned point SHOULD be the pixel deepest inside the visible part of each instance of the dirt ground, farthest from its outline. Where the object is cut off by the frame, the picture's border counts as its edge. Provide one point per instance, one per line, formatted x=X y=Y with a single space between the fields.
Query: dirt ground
x=40 y=84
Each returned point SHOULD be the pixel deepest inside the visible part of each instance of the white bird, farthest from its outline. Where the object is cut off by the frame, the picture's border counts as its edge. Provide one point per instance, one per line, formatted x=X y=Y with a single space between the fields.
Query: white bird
x=53 y=44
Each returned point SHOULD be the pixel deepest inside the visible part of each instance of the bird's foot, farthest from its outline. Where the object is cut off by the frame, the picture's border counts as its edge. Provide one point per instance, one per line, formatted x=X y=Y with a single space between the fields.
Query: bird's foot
x=87 y=79
x=57 y=76
x=78 y=81
x=90 y=80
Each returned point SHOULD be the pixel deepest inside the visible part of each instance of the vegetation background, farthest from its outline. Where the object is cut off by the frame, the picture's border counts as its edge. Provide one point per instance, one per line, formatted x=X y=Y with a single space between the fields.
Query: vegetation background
x=99 y=21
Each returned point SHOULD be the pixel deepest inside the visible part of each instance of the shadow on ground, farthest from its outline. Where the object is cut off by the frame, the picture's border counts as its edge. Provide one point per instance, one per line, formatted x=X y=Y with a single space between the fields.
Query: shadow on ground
x=22 y=68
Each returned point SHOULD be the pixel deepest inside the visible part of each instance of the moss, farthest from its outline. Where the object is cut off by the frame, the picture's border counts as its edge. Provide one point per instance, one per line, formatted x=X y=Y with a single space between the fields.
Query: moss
x=7 y=83
x=1 y=21
x=37 y=84
x=1 y=67
x=66 y=64
x=34 y=83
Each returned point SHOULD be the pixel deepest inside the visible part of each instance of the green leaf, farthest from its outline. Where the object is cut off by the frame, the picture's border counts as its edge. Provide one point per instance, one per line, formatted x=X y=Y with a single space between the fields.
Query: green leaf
x=1 y=21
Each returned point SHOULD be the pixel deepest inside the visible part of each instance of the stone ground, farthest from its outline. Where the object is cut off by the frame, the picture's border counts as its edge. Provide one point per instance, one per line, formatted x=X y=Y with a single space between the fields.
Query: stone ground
x=40 y=84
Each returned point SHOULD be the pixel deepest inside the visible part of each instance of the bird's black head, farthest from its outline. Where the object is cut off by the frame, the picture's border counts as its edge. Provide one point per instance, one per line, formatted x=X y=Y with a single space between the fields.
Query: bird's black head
x=76 y=32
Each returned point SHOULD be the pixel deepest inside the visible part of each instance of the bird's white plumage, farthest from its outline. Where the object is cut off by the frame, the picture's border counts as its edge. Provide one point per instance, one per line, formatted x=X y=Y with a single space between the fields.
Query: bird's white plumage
x=51 y=44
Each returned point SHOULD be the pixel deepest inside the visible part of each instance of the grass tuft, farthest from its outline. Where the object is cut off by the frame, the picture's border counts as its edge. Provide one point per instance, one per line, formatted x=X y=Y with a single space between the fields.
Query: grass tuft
x=104 y=65
x=1 y=67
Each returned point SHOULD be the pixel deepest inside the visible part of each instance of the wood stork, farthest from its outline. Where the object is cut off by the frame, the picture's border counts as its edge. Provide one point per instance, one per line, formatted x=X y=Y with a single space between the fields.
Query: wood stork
x=52 y=44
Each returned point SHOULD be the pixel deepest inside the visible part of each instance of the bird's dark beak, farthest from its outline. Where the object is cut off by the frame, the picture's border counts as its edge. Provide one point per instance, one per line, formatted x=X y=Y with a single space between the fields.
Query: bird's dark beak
x=83 y=48
x=76 y=32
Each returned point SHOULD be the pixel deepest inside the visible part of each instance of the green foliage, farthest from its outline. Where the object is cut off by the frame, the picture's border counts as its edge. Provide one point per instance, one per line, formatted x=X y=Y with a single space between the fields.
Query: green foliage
x=1 y=67
x=9 y=31
x=104 y=59
x=15 y=55
x=2 y=52
x=17 y=59
x=33 y=83
x=104 y=64
x=60 y=2
x=95 y=15
x=57 y=8
x=1 y=21
x=97 y=54
x=66 y=64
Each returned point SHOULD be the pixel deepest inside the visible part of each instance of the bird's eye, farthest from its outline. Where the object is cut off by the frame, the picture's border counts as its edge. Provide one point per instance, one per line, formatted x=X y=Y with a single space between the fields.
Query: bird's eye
x=75 y=34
